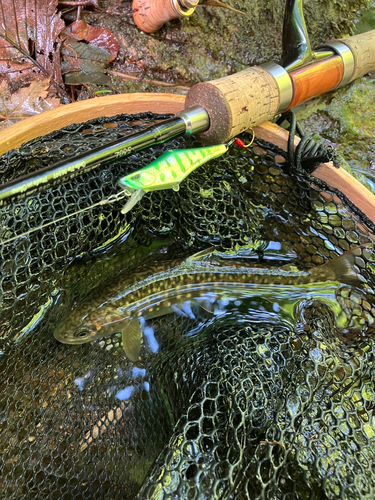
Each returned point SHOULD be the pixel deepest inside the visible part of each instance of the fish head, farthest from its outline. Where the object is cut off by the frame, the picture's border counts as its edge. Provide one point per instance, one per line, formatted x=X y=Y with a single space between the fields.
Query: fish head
x=81 y=325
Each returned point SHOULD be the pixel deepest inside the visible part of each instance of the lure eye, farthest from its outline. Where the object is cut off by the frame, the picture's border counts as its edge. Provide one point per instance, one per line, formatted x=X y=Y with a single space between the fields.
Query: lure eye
x=82 y=334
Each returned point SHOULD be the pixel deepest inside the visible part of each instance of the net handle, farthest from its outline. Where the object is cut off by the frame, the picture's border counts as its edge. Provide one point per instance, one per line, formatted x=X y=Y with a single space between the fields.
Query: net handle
x=150 y=15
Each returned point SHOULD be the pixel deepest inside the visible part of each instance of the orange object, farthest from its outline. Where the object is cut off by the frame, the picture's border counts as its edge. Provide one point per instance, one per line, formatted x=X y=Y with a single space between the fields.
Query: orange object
x=316 y=79
x=150 y=15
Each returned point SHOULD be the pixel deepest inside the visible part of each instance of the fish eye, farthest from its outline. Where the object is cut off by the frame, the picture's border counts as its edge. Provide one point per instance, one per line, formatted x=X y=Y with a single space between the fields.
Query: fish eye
x=82 y=334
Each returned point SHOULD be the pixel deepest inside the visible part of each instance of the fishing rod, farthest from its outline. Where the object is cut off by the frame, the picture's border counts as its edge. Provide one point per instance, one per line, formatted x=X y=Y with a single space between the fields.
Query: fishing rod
x=219 y=110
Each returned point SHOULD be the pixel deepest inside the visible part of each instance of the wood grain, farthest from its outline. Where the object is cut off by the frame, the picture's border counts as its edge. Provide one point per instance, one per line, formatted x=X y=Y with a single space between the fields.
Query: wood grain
x=79 y=112
x=316 y=79
x=338 y=178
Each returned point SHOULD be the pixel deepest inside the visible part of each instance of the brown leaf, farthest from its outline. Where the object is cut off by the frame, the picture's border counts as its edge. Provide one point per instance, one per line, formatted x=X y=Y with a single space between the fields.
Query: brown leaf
x=34 y=26
x=28 y=101
x=84 y=63
x=100 y=37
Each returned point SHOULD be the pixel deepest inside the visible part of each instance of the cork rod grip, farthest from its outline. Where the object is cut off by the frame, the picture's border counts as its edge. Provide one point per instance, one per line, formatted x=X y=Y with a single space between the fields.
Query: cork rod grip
x=363 y=49
x=235 y=103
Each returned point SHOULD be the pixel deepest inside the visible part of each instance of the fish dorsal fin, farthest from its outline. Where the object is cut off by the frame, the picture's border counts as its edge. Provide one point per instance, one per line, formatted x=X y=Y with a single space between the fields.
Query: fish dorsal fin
x=132 y=339
x=345 y=268
x=208 y=256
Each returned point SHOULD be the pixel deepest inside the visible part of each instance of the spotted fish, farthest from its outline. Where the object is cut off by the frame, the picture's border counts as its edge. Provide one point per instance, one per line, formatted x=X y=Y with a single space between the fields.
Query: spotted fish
x=156 y=291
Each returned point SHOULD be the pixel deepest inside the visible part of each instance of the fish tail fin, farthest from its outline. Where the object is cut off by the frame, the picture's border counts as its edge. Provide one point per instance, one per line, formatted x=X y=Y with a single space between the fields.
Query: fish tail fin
x=345 y=269
x=132 y=339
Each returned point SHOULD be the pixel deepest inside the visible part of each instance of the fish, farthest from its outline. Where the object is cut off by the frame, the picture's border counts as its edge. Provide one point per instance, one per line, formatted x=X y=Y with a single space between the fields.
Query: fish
x=155 y=290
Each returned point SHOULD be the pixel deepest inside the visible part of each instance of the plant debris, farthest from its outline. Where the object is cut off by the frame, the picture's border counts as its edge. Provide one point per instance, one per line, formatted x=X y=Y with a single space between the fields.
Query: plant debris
x=29 y=43
x=217 y=3
x=124 y=76
x=28 y=101
x=85 y=52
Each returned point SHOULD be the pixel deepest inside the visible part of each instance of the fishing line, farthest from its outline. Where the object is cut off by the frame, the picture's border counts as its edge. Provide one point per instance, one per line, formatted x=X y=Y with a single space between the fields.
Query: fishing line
x=111 y=199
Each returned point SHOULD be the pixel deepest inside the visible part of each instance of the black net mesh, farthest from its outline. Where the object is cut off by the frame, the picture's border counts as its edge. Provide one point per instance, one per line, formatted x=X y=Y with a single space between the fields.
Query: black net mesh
x=247 y=404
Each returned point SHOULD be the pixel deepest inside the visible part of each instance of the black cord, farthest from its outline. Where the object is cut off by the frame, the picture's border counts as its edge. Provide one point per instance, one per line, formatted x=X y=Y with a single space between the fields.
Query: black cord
x=310 y=152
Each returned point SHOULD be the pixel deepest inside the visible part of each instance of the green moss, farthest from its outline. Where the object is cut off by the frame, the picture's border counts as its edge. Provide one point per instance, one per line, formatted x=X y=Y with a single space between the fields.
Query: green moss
x=215 y=42
x=346 y=118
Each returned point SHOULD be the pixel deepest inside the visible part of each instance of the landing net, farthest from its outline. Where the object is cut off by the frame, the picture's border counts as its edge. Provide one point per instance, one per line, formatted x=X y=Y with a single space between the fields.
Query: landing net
x=243 y=405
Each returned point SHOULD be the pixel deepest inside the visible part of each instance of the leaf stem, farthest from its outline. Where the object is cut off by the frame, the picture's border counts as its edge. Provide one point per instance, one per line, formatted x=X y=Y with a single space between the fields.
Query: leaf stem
x=57 y=86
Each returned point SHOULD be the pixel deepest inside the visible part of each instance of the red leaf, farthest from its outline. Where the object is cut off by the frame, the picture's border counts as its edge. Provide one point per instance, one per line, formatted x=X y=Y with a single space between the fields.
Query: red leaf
x=100 y=37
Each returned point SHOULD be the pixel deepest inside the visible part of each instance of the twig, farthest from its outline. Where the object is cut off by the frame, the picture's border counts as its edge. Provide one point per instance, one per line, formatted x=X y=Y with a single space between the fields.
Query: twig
x=43 y=70
x=147 y=80
x=217 y=3
x=75 y=4
x=70 y=48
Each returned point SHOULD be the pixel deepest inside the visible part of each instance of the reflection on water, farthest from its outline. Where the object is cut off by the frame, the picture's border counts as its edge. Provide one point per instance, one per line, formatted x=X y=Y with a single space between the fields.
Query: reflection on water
x=109 y=410
x=125 y=394
x=212 y=280
x=271 y=303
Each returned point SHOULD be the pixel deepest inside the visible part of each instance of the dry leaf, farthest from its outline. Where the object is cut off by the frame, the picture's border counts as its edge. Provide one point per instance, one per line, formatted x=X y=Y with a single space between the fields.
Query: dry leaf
x=34 y=27
x=87 y=65
x=28 y=101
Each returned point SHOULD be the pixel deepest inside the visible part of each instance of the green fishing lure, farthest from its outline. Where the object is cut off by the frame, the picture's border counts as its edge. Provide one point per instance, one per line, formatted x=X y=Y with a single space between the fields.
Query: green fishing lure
x=167 y=172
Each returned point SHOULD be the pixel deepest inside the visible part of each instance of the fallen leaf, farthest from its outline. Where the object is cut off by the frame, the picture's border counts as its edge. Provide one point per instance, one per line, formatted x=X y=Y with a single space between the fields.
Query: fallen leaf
x=28 y=101
x=85 y=52
x=86 y=65
x=100 y=37
x=32 y=26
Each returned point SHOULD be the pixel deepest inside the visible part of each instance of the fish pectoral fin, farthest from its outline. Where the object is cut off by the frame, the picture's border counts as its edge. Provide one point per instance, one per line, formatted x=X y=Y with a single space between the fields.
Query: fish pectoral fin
x=208 y=256
x=132 y=339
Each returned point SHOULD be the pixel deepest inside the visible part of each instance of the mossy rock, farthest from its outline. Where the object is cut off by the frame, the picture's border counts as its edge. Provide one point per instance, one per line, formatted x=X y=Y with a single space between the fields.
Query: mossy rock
x=345 y=118
x=215 y=41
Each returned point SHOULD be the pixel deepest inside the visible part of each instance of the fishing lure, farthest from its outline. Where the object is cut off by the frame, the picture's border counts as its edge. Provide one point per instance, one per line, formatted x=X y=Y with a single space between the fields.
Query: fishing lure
x=169 y=170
